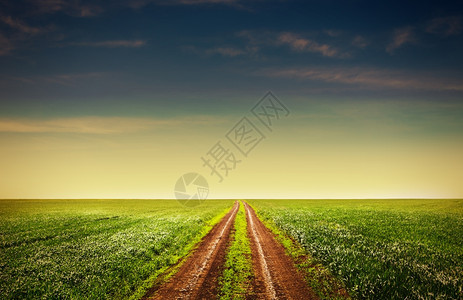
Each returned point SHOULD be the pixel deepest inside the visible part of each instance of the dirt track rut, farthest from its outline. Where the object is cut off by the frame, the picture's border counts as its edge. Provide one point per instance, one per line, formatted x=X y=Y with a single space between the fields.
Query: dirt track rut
x=276 y=277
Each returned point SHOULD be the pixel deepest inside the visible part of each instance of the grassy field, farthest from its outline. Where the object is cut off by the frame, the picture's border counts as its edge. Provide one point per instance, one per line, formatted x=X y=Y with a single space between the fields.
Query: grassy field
x=381 y=249
x=94 y=249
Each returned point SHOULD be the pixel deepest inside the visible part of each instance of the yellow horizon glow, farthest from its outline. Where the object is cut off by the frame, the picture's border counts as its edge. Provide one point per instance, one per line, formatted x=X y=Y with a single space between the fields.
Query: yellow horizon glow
x=296 y=161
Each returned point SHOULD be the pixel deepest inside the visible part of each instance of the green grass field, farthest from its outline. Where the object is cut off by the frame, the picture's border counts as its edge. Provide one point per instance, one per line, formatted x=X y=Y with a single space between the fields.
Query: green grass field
x=381 y=249
x=94 y=249
x=101 y=249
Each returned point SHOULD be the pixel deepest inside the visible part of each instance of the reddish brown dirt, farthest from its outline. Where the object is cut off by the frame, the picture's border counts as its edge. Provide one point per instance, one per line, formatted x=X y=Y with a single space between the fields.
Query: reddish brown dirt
x=276 y=277
x=197 y=278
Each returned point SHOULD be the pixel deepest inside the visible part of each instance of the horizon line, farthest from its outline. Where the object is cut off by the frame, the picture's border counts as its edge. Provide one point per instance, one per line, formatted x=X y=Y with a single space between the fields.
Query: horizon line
x=392 y=198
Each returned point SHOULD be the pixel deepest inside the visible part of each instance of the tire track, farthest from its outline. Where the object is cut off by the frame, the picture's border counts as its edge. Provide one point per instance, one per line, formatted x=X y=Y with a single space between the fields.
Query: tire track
x=276 y=277
x=265 y=271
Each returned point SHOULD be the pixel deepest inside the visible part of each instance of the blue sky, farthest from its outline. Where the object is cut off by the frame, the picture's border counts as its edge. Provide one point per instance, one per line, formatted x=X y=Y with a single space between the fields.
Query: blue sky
x=55 y=52
x=346 y=69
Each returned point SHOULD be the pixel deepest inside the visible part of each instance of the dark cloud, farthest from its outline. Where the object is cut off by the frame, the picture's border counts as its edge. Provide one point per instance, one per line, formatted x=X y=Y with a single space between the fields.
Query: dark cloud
x=445 y=26
x=73 y=7
x=371 y=78
x=113 y=44
x=296 y=42
x=401 y=36
x=360 y=42
x=6 y=46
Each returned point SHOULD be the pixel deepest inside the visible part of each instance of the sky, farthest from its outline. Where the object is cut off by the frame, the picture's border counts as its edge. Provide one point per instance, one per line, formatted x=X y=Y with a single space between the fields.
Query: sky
x=119 y=99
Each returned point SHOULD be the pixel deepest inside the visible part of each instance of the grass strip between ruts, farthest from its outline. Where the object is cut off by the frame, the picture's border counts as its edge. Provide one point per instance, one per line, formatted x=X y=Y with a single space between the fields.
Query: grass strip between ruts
x=237 y=276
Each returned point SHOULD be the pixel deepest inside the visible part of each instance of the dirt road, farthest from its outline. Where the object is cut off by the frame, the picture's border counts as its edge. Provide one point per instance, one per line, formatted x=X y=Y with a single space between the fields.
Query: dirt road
x=275 y=274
